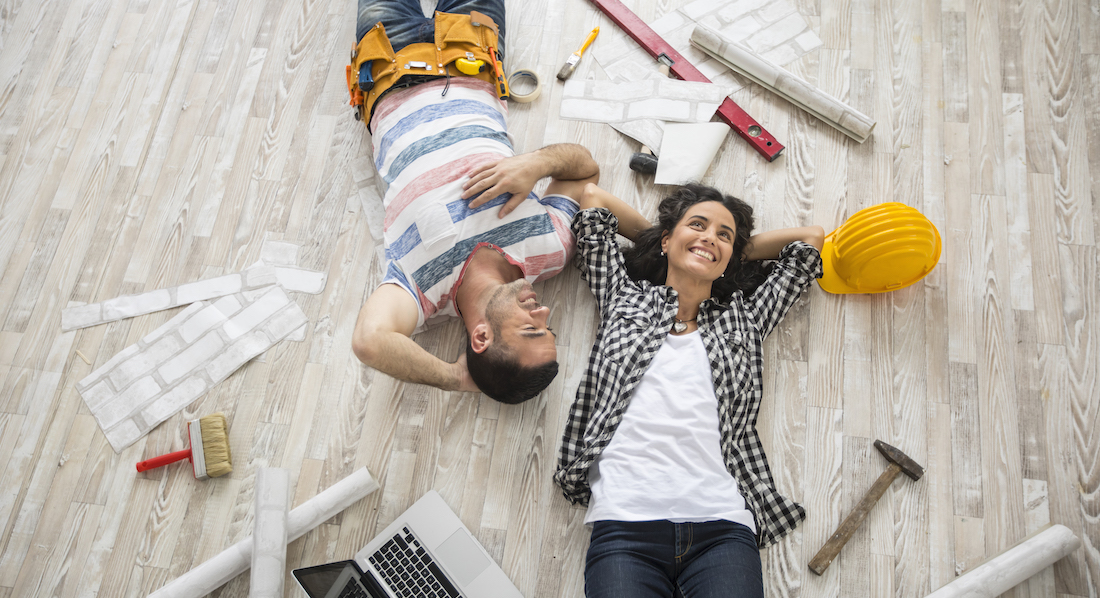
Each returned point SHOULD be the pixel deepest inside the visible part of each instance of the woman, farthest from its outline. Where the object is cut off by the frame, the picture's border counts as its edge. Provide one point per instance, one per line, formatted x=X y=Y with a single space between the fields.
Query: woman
x=661 y=441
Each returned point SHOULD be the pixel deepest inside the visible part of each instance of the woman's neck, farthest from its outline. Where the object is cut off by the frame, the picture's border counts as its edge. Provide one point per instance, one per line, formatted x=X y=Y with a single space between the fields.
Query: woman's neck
x=691 y=294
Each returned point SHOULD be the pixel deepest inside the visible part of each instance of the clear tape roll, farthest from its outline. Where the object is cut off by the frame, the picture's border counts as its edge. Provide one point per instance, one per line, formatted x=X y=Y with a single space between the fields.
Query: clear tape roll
x=527 y=78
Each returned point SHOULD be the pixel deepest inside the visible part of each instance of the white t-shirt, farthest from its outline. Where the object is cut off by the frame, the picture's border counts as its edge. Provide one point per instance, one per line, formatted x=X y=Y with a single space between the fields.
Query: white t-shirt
x=665 y=459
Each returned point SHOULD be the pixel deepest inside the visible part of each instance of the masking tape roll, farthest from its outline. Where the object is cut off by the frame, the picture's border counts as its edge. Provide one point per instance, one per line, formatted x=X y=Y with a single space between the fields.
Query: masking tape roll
x=526 y=79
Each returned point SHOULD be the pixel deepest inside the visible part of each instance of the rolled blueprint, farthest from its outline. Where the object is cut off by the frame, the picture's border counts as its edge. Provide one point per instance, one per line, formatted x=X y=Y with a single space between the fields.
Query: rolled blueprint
x=269 y=533
x=236 y=559
x=794 y=89
x=1010 y=568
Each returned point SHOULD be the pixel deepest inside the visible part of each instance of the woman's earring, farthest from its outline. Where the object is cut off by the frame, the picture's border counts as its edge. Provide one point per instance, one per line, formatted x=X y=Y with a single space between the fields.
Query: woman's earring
x=662 y=253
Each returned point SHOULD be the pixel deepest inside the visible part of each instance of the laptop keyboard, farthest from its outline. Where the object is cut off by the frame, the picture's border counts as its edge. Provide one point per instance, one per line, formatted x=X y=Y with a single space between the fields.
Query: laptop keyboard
x=353 y=590
x=408 y=569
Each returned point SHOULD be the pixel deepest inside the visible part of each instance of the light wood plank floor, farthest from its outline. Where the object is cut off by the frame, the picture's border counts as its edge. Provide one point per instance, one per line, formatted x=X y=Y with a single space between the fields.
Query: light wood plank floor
x=145 y=143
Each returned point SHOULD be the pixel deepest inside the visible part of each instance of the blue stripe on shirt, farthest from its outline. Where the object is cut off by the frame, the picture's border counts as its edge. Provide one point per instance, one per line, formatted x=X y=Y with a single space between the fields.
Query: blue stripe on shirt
x=502 y=236
x=395 y=275
x=560 y=202
x=444 y=139
x=403 y=244
x=429 y=114
x=460 y=208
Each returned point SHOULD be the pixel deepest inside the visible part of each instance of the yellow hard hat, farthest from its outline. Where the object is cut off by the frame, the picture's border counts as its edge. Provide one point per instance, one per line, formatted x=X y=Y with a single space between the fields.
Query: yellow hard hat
x=881 y=248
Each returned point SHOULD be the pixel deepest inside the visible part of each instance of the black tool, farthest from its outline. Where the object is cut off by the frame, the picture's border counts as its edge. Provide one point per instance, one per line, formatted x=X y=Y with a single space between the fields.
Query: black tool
x=644 y=162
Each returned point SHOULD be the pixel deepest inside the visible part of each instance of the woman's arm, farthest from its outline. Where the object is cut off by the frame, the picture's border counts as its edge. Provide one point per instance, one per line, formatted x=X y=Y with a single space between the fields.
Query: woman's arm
x=767 y=245
x=631 y=222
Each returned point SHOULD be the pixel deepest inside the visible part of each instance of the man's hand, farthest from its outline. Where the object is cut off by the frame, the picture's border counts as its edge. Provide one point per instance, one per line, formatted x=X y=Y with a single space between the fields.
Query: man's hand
x=516 y=175
x=568 y=164
x=462 y=373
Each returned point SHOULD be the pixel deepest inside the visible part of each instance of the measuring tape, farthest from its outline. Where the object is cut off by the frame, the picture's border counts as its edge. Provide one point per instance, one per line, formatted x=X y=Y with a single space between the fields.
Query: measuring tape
x=522 y=80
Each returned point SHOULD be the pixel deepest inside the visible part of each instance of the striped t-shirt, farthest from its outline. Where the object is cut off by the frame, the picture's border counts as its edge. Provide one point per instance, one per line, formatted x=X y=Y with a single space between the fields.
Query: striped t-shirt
x=425 y=145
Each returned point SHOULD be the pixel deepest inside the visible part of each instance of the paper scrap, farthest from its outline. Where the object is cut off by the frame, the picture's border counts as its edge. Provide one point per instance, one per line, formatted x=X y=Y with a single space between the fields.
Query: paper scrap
x=130 y=306
x=665 y=99
x=151 y=380
x=687 y=151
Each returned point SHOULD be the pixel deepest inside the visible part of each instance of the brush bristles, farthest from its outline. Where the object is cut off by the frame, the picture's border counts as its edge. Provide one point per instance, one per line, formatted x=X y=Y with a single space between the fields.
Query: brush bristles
x=215 y=445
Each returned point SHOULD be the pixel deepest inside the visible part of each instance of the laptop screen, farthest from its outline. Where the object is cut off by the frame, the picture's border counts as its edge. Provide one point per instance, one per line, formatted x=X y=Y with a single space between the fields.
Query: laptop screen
x=328 y=580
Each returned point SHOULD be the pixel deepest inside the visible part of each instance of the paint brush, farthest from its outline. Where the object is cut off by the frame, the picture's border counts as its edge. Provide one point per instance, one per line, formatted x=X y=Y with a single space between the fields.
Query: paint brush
x=575 y=57
x=209 y=452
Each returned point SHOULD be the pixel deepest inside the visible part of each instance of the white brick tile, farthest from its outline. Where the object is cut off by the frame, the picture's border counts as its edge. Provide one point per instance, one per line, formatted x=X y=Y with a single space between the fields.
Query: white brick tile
x=81 y=316
x=98 y=395
x=228 y=305
x=591 y=110
x=102 y=370
x=209 y=288
x=285 y=322
x=176 y=320
x=258 y=276
x=251 y=316
x=136 y=305
x=660 y=109
x=201 y=322
x=123 y=435
x=279 y=253
x=144 y=361
x=302 y=281
x=174 y=400
x=192 y=357
x=127 y=402
x=237 y=354
x=298 y=334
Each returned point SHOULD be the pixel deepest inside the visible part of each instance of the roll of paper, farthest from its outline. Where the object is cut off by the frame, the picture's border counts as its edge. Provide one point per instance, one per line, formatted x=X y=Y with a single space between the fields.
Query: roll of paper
x=236 y=559
x=792 y=88
x=269 y=532
x=1010 y=568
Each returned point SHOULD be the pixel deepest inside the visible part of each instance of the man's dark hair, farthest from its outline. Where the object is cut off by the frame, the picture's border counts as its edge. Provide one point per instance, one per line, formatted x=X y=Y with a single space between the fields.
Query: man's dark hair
x=498 y=373
x=645 y=262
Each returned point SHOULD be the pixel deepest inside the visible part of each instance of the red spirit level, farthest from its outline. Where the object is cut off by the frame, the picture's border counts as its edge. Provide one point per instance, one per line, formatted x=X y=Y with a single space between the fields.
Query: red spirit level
x=730 y=113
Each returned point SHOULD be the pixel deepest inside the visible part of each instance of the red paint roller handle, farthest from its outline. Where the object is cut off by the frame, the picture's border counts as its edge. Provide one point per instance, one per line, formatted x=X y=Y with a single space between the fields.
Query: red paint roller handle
x=164 y=460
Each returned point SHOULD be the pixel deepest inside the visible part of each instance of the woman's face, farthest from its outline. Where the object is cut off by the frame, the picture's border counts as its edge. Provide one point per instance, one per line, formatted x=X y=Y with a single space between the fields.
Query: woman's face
x=701 y=244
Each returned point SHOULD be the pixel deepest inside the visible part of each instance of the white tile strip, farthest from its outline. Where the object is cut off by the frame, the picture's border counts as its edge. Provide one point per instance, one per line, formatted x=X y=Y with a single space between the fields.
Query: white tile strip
x=687 y=151
x=771 y=28
x=664 y=99
x=146 y=303
x=269 y=533
x=177 y=363
x=789 y=86
x=233 y=561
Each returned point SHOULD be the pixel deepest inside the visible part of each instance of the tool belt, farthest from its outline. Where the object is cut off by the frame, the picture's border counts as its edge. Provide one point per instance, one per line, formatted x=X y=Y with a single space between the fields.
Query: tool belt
x=471 y=37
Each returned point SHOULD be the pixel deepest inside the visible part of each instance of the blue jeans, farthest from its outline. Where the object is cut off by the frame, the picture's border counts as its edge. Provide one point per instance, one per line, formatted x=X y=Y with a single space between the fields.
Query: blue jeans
x=660 y=559
x=406 y=24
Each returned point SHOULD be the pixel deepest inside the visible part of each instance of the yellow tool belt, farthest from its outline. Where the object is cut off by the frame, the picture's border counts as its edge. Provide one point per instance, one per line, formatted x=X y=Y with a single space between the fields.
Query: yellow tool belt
x=472 y=37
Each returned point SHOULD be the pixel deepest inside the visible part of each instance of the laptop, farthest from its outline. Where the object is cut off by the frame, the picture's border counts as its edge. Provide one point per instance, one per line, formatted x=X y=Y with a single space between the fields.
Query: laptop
x=424 y=553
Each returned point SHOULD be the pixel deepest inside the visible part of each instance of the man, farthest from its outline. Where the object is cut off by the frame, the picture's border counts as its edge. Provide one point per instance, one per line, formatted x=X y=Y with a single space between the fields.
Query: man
x=440 y=140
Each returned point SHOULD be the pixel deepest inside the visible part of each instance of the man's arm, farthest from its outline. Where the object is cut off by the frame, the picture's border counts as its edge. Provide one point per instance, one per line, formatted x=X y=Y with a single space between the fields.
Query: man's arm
x=631 y=222
x=767 y=245
x=570 y=165
x=381 y=340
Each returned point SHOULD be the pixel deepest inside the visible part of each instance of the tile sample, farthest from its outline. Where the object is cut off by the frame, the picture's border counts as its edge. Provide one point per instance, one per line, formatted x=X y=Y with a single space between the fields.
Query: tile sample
x=771 y=28
x=789 y=86
x=231 y=562
x=147 y=303
x=148 y=382
x=663 y=99
x=269 y=533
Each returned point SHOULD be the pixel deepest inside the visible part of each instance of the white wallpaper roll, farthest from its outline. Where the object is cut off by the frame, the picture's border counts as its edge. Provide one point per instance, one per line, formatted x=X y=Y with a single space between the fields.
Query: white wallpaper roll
x=794 y=89
x=1010 y=568
x=236 y=559
x=269 y=533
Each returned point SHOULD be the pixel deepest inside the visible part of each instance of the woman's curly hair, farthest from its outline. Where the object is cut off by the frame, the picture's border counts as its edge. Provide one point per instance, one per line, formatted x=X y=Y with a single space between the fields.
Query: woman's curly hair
x=645 y=262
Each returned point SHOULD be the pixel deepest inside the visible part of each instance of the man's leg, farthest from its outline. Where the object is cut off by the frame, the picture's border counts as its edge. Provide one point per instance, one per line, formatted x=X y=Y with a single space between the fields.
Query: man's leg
x=493 y=8
x=720 y=560
x=404 y=21
x=629 y=560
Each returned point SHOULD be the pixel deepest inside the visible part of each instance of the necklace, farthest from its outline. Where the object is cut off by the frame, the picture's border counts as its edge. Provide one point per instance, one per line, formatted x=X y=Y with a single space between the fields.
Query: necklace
x=681 y=325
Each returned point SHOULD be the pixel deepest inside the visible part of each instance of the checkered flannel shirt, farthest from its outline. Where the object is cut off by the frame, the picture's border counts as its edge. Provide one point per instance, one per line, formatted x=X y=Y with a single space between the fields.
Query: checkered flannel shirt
x=635 y=318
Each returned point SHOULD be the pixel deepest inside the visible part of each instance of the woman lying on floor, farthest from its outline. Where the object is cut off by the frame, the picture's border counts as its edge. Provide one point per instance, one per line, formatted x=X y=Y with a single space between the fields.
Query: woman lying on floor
x=661 y=442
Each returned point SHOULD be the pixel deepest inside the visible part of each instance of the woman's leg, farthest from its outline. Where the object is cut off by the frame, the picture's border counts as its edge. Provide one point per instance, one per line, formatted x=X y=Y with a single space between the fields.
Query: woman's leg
x=629 y=560
x=722 y=561
x=404 y=21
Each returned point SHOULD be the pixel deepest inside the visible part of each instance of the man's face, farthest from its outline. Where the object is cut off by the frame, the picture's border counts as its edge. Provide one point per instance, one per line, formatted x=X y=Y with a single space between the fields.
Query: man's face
x=519 y=321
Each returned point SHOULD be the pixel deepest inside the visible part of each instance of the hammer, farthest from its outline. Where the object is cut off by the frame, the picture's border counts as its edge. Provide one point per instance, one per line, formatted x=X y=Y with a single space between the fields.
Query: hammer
x=899 y=463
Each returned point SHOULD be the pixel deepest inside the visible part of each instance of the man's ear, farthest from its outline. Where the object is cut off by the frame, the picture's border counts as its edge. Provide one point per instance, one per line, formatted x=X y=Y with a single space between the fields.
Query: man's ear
x=481 y=337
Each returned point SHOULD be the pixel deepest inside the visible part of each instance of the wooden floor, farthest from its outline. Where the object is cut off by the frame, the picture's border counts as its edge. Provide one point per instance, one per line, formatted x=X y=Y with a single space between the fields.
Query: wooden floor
x=145 y=143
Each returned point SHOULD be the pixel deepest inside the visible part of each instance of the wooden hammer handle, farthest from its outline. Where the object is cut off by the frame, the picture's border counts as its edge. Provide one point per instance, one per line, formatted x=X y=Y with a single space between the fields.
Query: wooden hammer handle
x=840 y=537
